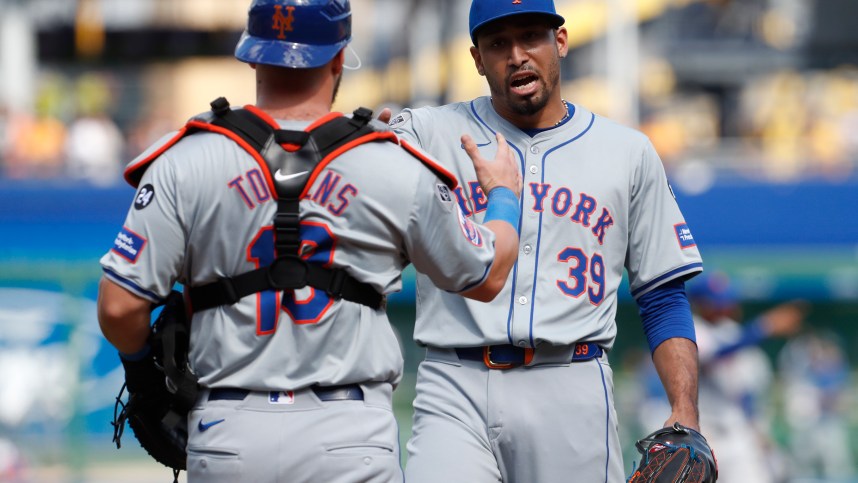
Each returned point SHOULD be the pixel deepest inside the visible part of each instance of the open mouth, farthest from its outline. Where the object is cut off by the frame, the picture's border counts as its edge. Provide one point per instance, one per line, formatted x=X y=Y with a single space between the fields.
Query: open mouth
x=524 y=83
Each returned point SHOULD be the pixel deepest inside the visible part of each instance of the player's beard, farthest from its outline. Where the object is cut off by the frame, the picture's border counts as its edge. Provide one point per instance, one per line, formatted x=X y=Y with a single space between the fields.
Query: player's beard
x=532 y=104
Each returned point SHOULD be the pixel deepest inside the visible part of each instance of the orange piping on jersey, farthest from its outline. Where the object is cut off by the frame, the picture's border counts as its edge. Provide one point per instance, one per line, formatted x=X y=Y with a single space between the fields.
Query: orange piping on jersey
x=263 y=115
x=235 y=137
x=375 y=136
x=442 y=172
x=130 y=174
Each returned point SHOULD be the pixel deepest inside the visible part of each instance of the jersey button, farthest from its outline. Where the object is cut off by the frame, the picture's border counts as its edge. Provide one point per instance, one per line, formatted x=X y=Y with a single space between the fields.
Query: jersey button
x=527 y=249
x=522 y=300
x=534 y=169
x=534 y=149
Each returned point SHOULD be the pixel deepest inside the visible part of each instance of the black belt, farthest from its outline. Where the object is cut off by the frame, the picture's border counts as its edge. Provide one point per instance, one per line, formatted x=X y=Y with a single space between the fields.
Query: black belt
x=506 y=356
x=349 y=392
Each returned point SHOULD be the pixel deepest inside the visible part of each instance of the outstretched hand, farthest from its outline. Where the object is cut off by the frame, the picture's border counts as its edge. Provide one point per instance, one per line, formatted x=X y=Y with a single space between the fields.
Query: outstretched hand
x=502 y=171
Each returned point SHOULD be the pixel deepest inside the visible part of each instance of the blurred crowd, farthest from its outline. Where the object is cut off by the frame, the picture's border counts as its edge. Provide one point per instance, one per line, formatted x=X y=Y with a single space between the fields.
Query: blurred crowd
x=759 y=105
x=789 y=125
x=73 y=132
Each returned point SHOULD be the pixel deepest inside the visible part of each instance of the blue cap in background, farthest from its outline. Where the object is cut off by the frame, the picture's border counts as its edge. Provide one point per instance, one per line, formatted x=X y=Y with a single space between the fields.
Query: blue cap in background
x=714 y=289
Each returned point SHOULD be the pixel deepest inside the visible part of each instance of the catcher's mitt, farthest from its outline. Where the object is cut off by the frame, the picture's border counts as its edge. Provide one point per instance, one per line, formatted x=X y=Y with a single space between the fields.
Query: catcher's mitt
x=157 y=405
x=675 y=455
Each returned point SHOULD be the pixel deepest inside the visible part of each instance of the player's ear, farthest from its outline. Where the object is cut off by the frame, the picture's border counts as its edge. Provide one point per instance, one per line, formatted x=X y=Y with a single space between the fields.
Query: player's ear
x=561 y=38
x=478 y=60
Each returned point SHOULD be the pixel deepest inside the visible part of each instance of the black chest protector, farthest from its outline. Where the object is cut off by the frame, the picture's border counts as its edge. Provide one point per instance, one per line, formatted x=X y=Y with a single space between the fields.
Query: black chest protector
x=288 y=159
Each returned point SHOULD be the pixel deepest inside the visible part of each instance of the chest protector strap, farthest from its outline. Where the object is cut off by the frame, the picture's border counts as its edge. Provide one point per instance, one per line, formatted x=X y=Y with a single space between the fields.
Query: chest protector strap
x=291 y=157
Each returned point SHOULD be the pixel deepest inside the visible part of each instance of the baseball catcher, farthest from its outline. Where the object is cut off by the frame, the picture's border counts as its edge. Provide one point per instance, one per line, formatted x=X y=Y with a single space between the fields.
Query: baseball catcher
x=675 y=454
x=161 y=390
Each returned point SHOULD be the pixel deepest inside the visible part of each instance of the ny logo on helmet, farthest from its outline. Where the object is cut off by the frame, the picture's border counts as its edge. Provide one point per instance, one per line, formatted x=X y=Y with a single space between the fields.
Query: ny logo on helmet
x=283 y=23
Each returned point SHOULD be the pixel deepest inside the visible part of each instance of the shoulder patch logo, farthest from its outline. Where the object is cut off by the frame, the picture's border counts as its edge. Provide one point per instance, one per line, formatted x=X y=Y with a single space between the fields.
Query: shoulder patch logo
x=471 y=232
x=444 y=193
x=128 y=245
x=683 y=235
x=144 y=197
x=399 y=120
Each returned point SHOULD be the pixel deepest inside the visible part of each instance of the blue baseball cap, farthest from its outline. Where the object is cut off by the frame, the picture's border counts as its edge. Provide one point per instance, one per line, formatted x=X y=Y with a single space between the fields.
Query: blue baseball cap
x=295 y=33
x=715 y=289
x=485 y=11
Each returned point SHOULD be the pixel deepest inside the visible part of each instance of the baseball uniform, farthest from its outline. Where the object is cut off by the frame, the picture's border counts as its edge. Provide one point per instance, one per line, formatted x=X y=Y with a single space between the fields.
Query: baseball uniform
x=203 y=211
x=595 y=202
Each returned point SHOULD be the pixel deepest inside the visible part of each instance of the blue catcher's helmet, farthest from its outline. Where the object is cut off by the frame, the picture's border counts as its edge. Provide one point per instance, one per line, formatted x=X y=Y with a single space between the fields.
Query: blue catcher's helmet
x=295 y=33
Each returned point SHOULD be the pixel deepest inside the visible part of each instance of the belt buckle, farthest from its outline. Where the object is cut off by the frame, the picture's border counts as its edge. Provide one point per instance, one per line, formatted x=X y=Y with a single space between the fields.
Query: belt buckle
x=487 y=359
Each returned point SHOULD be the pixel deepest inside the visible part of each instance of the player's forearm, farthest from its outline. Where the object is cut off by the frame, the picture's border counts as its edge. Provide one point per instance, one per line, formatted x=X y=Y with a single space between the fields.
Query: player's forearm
x=123 y=317
x=676 y=362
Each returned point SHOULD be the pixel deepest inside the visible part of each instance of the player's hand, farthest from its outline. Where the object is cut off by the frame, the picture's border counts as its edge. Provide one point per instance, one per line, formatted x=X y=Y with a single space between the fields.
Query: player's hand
x=385 y=115
x=502 y=171
x=785 y=319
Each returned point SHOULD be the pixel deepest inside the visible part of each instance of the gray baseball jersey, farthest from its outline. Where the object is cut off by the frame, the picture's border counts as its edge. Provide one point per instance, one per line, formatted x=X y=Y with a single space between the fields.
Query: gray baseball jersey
x=595 y=201
x=203 y=211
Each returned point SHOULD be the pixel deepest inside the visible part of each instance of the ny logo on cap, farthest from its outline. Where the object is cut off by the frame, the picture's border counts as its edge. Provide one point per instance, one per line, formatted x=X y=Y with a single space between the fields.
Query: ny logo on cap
x=283 y=23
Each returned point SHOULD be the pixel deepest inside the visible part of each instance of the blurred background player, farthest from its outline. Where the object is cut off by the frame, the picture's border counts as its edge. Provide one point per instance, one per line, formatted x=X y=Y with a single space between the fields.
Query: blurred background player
x=736 y=378
x=814 y=372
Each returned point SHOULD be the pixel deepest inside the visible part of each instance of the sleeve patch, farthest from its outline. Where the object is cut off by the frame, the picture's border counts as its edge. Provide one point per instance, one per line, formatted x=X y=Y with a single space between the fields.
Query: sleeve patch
x=683 y=235
x=399 y=120
x=128 y=245
x=444 y=193
x=471 y=232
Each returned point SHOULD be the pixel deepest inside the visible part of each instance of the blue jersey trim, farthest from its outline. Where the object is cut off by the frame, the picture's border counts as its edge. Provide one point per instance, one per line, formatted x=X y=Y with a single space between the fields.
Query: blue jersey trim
x=521 y=214
x=478 y=282
x=539 y=231
x=696 y=267
x=607 y=422
x=132 y=287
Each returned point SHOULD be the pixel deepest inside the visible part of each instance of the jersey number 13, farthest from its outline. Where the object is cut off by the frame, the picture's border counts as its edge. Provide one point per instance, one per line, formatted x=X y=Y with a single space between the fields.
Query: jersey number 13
x=304 y=306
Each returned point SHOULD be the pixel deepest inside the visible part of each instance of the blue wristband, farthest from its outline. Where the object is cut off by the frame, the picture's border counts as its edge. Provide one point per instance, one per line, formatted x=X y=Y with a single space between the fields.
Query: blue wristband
x=137 y=356
x=503 y=205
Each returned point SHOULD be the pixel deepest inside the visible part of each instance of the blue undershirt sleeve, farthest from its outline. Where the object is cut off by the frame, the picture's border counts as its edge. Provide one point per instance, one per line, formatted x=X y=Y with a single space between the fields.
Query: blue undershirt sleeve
x=666 y=314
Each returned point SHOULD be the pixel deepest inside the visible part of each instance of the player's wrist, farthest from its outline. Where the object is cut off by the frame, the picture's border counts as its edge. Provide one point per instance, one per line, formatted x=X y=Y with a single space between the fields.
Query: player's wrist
x=503 y=205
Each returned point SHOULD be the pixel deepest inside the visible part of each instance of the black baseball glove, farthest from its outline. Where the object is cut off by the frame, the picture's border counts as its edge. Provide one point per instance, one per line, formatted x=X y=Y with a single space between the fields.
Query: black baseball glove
x=157 y=409
x=675 y=455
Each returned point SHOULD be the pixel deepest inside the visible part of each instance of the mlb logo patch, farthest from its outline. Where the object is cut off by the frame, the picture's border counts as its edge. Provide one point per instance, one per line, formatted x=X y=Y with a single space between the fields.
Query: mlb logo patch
x=469 y=230
x=444 y=193
x=683 y=234
x=281 y=397
x=128 y=245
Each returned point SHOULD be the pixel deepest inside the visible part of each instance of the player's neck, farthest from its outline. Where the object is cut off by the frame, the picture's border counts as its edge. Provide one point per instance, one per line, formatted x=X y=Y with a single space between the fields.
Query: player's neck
x=553 y=114
x=296 y=97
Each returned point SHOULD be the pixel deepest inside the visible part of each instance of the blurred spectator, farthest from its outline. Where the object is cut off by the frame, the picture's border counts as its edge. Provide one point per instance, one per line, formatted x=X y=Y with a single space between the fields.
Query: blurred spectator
x=94 y=146
x=815 y=375
x=736 y=377
x=36 y=140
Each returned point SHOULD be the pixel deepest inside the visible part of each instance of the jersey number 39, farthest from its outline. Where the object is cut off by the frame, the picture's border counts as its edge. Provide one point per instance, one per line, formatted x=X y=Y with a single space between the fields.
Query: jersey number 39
x=304 y=306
